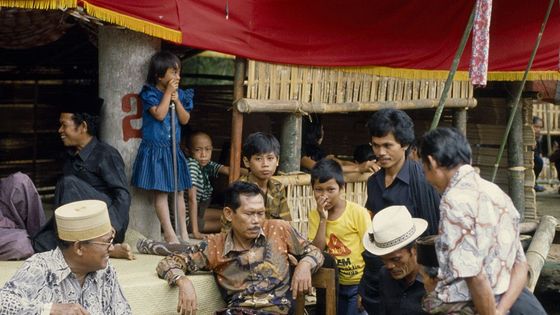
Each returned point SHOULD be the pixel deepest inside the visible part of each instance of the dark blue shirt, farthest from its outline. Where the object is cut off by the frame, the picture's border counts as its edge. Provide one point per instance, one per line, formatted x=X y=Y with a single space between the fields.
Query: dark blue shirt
x=400 y=298
x=402 y=191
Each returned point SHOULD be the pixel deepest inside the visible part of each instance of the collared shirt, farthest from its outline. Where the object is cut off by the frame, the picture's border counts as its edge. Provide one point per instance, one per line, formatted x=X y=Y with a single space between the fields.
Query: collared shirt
x=257 y=278
x=46 y=278
x=479 y=231
x=200 y=177
x=274 y=198
x=400 y=298
x=423 y=205
x=101 y=166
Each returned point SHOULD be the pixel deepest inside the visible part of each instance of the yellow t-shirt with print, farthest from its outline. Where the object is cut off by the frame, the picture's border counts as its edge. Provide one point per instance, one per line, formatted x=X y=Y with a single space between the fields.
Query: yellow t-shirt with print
x=344 y=240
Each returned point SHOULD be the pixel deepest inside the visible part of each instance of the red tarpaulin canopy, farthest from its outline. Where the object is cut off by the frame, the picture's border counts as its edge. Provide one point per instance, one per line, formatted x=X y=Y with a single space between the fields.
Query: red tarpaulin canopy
x=406 y=38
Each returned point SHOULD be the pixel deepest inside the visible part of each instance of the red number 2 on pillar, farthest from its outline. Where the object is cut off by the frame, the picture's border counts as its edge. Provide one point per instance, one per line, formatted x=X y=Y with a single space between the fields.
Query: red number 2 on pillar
x=129 y=131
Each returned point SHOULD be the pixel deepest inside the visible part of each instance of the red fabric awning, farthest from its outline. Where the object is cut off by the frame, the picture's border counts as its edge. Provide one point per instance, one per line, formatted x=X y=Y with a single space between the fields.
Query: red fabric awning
x=401 y=37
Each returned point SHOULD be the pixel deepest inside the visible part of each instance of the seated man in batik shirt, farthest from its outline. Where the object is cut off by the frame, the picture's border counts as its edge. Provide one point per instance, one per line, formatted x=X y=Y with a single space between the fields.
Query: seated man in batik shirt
x=250 y=261
x=76 y=277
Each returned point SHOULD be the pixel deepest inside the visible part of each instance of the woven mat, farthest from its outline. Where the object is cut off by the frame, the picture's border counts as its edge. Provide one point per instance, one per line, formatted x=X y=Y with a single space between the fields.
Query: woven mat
x=146 y=293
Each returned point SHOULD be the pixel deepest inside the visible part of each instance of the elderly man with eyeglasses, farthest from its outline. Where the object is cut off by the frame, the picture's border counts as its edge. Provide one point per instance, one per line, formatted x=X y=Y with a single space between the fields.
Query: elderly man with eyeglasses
x=74 y=278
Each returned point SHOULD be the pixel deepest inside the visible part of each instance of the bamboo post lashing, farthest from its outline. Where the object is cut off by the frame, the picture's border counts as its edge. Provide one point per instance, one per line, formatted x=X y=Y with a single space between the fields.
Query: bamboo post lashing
x=236 y=121
x=538 y=250
x=246 y=105
x=520 y=90
x=453 y=70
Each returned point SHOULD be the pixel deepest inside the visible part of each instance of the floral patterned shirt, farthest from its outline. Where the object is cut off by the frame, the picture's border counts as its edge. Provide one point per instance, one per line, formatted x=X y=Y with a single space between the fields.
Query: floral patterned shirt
x=479 y=232
x=257 y=278
x=46 y=278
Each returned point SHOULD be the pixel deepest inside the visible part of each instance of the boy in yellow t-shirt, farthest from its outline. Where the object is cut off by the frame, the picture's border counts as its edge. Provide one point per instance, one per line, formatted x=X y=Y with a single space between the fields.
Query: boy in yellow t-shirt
x=338 y=226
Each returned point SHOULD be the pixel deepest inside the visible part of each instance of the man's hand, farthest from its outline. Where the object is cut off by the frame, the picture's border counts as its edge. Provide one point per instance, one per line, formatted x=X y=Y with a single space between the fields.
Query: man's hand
x=368 y=166
x=187 y=297
x=68 y=309
x=301 y=280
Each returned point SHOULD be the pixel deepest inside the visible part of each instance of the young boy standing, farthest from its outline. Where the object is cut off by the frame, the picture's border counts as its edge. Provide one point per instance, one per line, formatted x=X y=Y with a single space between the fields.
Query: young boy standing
x=202 y=169
x=338 y=226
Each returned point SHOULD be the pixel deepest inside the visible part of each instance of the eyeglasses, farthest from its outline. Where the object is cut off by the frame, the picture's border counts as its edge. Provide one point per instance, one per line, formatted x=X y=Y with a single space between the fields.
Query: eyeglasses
x=108 y=244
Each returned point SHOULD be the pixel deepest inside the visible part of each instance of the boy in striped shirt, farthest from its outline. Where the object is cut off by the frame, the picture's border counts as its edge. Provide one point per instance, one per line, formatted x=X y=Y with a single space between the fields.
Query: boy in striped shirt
x=202 y=169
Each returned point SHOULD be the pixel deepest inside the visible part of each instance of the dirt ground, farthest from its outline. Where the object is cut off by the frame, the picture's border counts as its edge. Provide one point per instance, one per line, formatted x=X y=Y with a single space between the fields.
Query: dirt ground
x=548 y=287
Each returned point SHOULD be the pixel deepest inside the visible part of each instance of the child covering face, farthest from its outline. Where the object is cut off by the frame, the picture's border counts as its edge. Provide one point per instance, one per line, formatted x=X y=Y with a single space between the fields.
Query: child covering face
x=153 y=167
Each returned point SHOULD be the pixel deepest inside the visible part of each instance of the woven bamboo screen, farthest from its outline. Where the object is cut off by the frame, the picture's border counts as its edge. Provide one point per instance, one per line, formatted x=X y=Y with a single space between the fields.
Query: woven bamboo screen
x=331 y=85
x=300 y=195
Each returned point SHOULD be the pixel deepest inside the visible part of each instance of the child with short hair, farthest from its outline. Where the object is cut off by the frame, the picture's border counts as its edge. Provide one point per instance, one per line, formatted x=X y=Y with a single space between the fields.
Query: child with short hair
x=261 y=152
x=338 y=225
x=202 y=169
x=153 y=167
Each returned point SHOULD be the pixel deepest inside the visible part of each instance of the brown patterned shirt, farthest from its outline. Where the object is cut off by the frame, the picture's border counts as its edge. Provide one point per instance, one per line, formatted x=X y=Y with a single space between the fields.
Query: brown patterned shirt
x=257 y=278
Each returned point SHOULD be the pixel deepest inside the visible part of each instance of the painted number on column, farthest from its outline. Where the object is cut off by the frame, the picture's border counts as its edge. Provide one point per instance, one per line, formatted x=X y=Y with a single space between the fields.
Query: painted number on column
x=129 y=131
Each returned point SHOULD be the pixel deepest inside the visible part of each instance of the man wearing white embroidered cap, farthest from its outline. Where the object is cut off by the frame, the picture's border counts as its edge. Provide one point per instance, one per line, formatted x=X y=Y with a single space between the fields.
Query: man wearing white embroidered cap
x=74 y=278
x=392 y=237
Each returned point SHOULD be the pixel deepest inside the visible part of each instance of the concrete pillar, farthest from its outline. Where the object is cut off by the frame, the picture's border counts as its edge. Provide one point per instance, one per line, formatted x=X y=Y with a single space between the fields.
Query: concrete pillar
x=290 y=148
x=123 y=65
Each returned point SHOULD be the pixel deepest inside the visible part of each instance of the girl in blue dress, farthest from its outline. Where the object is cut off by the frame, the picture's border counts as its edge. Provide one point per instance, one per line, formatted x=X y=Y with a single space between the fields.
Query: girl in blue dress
x=153 y=167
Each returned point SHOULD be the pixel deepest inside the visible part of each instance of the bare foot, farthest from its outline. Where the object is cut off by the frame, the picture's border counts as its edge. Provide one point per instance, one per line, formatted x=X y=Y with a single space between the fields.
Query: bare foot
x=174 y=240
x=123 y=251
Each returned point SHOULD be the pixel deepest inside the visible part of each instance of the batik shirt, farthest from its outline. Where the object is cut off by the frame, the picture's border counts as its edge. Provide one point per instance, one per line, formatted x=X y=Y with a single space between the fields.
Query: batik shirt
x=274 y=198
x=479 y=232
x=45 y=278
x=257 y=278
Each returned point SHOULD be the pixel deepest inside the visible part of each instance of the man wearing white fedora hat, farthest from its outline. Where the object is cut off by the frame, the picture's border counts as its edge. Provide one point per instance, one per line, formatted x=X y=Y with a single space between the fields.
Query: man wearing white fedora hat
x=74 y=278
x=480 y=257
x=399 y=182
x=392 y=237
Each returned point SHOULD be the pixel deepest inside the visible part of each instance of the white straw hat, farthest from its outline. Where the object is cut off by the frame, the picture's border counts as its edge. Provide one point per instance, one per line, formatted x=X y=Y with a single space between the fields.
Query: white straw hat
x=392 y=229
x=82 y=220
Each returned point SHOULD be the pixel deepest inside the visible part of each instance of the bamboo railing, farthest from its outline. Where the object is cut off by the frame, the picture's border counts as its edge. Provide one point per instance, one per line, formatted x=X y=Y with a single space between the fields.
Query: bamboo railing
x=306 y=84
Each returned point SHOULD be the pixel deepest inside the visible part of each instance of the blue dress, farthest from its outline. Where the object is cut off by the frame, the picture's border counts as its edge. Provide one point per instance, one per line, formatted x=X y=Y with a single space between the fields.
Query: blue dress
x=153 y=167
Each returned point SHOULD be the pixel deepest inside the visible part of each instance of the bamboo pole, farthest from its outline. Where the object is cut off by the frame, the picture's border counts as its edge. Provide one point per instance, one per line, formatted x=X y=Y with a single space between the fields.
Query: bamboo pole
x=520 y=90
x=246 y=106
x=236 y=121
x=453 y=70
x=538 y=250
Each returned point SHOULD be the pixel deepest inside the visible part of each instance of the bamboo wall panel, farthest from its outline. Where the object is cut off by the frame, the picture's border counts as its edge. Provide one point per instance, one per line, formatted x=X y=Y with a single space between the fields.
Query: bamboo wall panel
x=268 y=81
